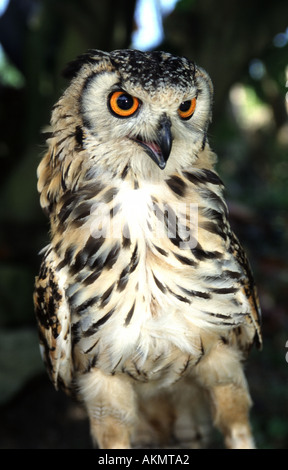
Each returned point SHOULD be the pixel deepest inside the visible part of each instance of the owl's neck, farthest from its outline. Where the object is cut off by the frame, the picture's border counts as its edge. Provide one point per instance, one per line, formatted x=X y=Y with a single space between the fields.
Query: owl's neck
x=141 y=169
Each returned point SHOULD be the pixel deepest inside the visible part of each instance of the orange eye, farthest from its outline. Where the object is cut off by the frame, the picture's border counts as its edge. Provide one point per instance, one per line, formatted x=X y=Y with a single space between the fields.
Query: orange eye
x=187 y=108
x=122 y=104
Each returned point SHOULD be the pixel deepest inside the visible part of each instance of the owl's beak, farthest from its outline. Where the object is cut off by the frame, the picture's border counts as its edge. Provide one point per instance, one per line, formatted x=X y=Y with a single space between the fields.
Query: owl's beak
x=159 y=150
x=164 y=141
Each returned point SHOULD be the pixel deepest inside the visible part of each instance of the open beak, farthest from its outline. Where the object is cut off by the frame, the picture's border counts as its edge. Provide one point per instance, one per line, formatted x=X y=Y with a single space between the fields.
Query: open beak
x=159 y=150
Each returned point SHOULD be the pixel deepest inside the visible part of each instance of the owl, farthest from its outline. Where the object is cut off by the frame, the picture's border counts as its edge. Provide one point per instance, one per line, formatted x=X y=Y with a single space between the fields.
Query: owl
x=145 y=301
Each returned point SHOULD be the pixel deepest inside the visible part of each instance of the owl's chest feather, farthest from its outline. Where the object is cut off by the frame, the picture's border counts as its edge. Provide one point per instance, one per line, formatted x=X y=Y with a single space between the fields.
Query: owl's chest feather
x=140 y=297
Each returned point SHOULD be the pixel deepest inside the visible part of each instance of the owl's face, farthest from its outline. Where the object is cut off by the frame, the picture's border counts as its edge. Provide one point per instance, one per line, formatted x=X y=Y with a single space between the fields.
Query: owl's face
x=148 y=109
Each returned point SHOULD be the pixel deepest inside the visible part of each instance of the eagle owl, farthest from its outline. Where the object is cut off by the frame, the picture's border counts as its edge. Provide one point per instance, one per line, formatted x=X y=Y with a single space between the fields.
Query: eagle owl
x=145 y=301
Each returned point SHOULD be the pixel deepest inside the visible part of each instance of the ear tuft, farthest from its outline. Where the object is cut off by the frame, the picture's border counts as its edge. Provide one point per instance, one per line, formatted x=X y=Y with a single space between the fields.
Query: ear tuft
x=92 y=57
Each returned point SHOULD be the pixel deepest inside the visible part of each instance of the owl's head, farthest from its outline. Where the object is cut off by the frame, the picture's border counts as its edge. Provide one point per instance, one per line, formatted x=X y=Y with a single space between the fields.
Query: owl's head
x=143 y=108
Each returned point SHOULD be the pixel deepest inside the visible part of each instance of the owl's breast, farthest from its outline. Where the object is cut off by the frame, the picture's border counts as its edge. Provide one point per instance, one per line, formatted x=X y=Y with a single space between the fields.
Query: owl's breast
x=148 y=280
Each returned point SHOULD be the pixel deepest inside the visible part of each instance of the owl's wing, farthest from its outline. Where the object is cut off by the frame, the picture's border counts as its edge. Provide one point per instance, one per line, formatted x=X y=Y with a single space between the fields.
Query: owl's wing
x=53 y=316
x=248 y=289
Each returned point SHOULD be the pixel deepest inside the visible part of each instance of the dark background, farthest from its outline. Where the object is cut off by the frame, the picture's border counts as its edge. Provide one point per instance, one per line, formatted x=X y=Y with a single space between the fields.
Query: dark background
x=244 y=47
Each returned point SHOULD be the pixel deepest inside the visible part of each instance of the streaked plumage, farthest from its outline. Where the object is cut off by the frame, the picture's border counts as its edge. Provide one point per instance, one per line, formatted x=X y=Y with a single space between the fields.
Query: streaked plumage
x=144 y=295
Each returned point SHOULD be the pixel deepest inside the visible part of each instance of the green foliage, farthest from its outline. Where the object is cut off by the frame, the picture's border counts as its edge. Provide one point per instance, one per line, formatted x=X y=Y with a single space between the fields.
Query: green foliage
x=9 y=75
